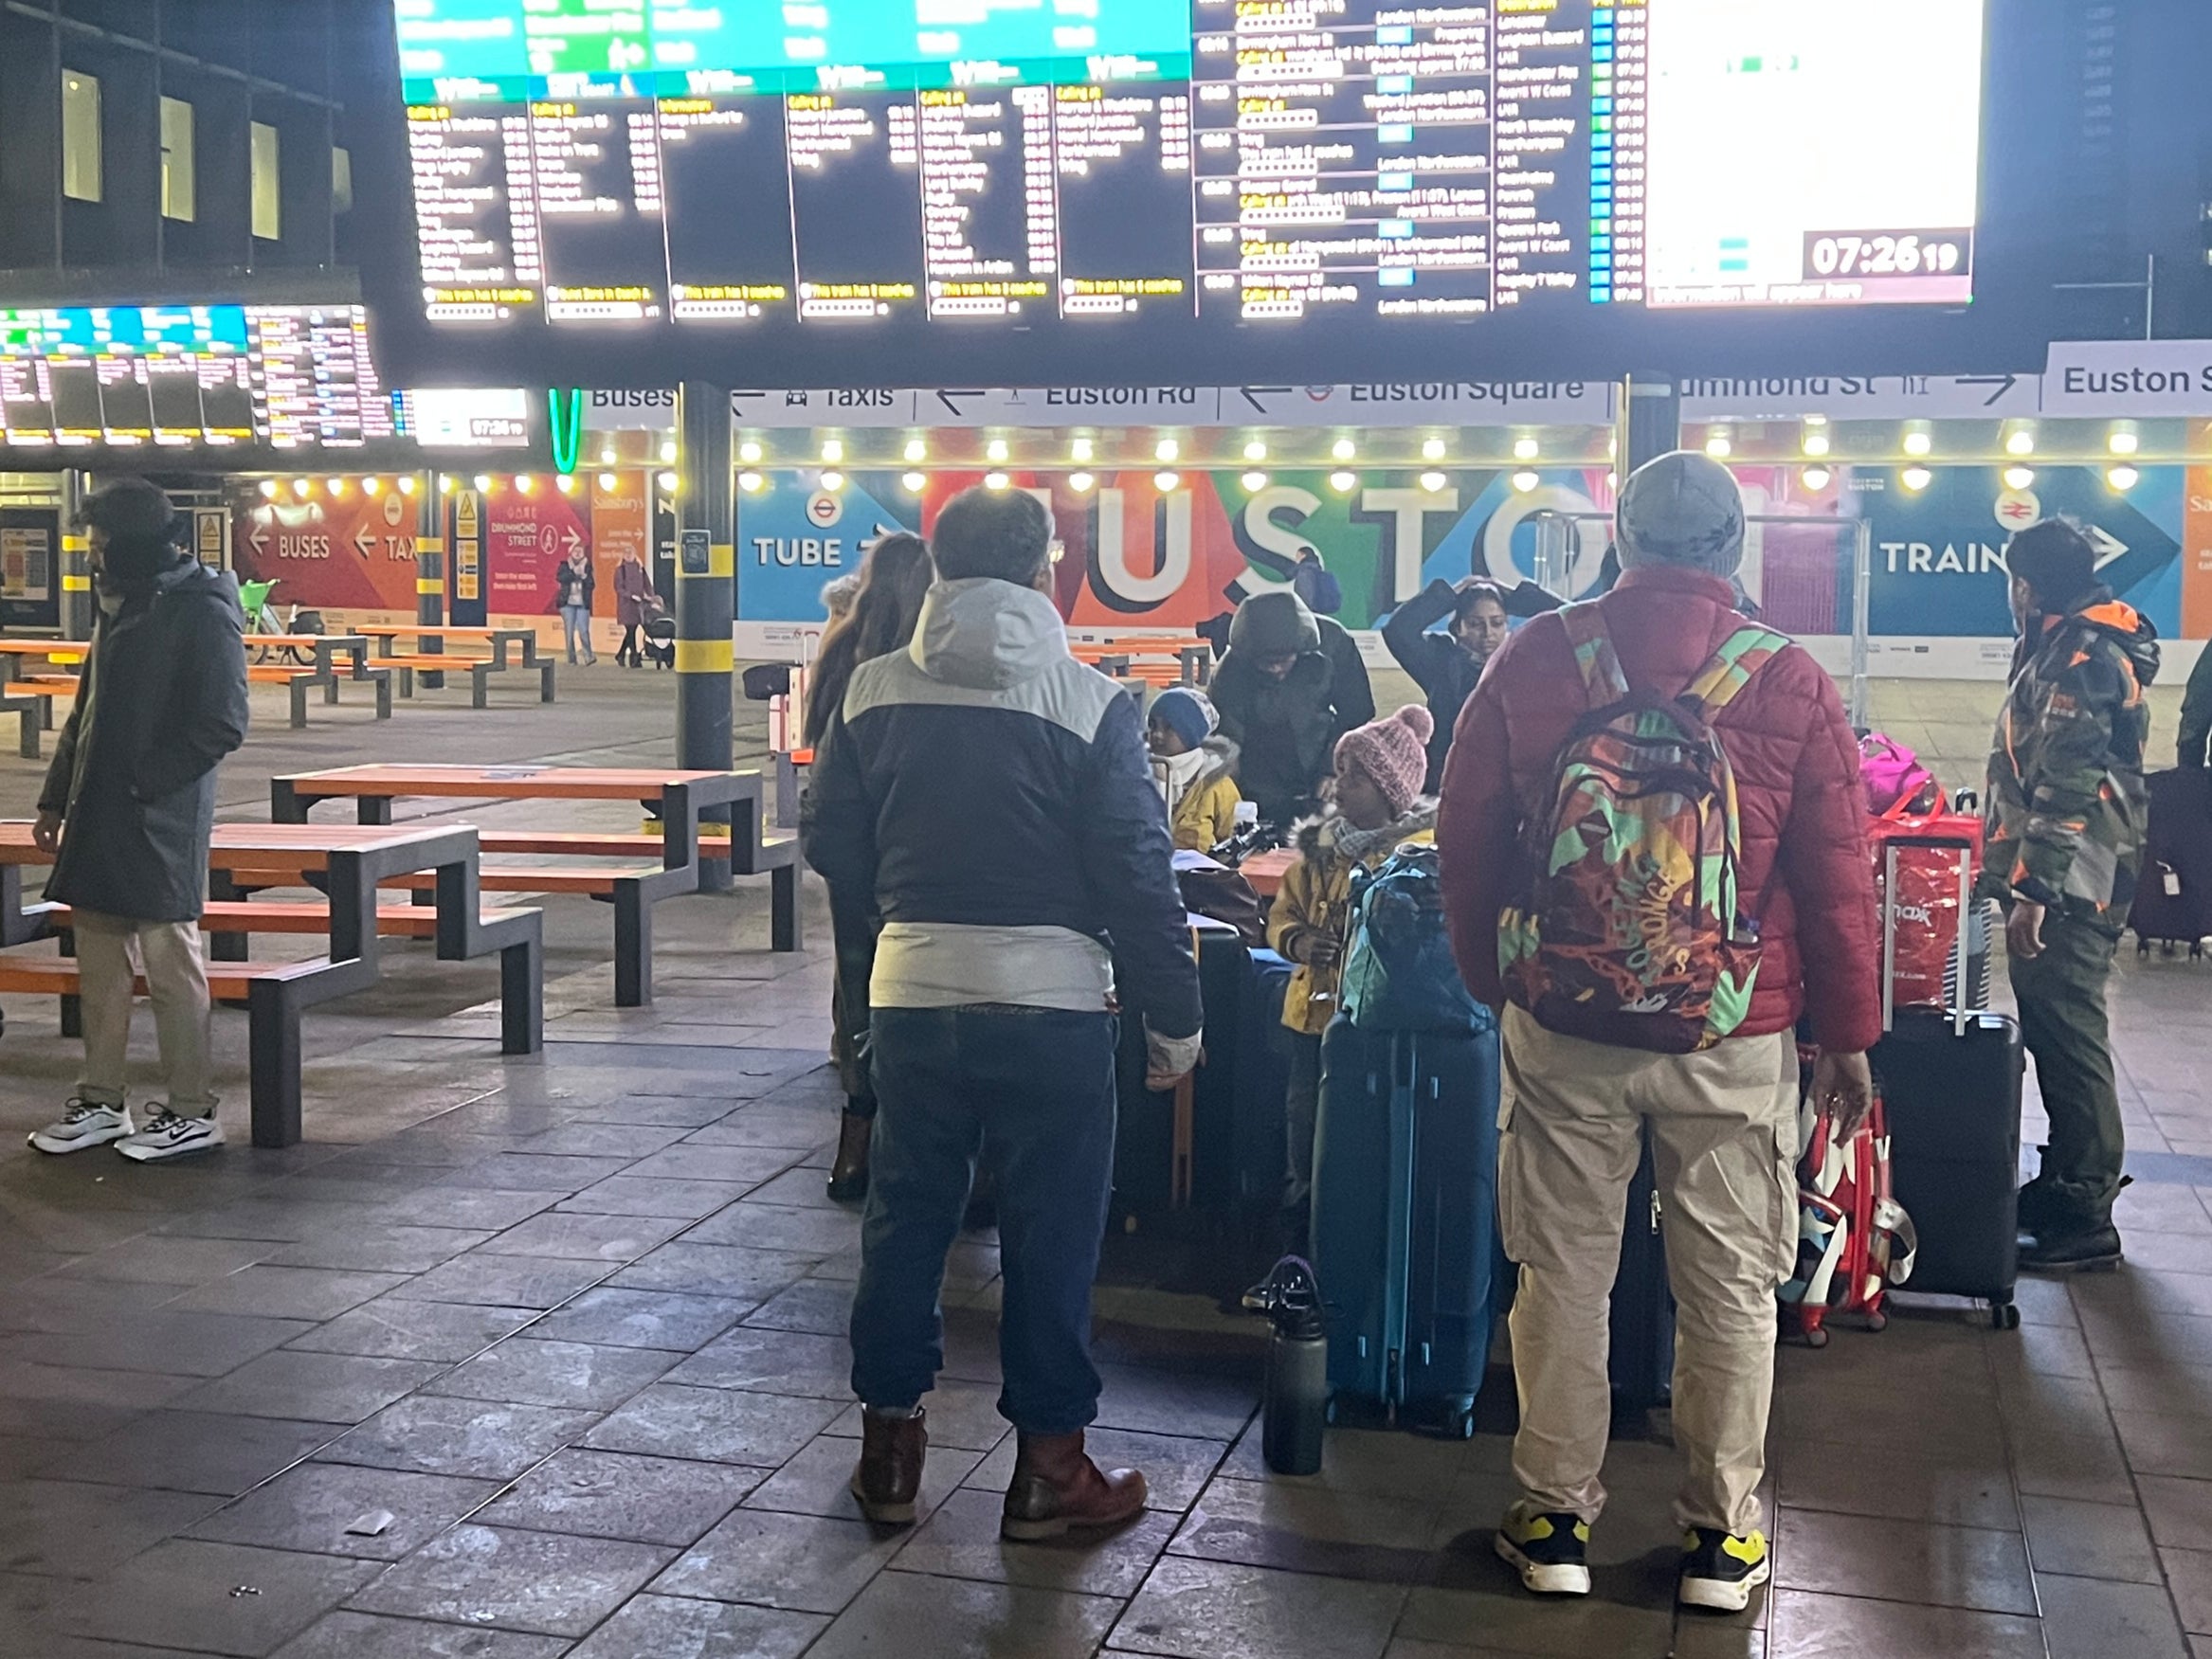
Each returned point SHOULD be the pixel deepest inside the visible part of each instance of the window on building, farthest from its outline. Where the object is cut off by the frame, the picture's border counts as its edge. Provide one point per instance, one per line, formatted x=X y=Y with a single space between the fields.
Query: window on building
x=179 y=194
x=268 y=207
x=81 y=151
x=341 y=179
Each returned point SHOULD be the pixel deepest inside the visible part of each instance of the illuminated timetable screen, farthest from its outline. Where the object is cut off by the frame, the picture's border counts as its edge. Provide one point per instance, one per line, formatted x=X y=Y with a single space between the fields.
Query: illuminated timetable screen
x=1077 y=164
x=283 y=376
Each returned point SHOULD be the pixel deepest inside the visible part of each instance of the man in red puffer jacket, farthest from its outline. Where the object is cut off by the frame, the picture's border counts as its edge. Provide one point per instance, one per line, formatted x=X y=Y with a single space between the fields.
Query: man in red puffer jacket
x=1724 y=1119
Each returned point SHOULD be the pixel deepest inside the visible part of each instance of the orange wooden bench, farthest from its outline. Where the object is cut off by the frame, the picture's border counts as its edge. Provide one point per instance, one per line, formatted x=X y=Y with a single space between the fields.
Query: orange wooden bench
x=33 y=702
x=479 y=671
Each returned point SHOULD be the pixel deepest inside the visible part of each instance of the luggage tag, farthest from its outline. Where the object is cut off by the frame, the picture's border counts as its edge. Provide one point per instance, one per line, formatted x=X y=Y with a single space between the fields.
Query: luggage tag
x=2172 y=878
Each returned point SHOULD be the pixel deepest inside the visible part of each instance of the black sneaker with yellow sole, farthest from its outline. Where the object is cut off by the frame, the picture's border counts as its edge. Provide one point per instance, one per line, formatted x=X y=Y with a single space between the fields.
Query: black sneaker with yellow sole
x=1549 y=1551
x=1720 y=1570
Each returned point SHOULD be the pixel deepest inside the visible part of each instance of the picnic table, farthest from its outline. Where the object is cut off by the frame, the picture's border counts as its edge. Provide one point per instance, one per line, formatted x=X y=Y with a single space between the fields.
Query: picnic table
x=430 y=656
x=1265 y=871
x=349 y=862
x=681 y=796
x=32 y=700
x=324 y=648
x=1129 y=657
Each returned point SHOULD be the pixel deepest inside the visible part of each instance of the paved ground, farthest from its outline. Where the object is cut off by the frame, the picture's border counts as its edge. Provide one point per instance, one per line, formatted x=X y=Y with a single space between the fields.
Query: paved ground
x=575 y=1323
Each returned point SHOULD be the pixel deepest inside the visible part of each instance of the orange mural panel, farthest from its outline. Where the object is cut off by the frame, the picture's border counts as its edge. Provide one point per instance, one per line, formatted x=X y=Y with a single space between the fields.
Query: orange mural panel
x=354 y=552
x=2197 y=553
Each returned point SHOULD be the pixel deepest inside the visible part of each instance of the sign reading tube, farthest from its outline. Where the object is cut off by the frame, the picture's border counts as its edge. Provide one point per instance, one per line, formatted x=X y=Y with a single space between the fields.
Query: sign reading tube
x=1094 y=162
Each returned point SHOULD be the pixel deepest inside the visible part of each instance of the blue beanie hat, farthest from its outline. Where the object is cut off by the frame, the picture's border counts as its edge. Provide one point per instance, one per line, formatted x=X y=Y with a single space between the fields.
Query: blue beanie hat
x=1187 y=713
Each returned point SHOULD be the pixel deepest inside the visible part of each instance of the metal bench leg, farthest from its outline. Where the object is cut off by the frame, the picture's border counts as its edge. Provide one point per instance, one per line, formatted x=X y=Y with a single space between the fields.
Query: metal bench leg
x=298 y=690
x=330 y=692
x=384 y=696
x=633 y=946
x=28 y=741
x=782 y=924
x=545 y=682
x=479 y=687
x=272 y=1036
x=522 y=998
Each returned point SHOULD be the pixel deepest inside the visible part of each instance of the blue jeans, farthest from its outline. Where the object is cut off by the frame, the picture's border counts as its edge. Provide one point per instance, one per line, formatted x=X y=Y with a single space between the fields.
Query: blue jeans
x=1033 y=1089
x=576 y=626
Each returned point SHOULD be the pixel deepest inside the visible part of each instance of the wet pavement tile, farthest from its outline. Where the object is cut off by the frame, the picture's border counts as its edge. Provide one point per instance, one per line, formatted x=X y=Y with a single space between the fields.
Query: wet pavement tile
x=720 y=1425
x=312 y=1506
x=540 y=1581
x=476 y=1438
x=531 y=1372
x=614 y=1494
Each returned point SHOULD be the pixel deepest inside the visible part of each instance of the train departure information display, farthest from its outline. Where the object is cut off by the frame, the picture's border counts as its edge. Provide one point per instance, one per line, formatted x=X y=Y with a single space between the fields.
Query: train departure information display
x=284 y=376
x=1069 y=163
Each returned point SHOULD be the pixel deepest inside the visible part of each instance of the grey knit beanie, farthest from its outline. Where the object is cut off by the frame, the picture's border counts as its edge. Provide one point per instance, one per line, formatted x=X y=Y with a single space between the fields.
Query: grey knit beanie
x=1682 y=508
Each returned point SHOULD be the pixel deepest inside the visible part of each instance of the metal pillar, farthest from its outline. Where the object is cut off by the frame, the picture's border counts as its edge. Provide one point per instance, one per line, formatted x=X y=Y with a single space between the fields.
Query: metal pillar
x=76 y=561
x=1651 y=421
x=429 y=552
x=706 y=590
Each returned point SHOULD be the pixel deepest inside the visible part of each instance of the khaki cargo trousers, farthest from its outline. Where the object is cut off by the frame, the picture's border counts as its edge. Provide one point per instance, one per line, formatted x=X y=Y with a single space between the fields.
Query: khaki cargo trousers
x=1724 y=1134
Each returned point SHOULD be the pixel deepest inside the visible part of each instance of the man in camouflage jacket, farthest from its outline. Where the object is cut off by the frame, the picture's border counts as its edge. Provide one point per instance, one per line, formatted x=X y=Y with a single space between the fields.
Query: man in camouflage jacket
x=2065 y=824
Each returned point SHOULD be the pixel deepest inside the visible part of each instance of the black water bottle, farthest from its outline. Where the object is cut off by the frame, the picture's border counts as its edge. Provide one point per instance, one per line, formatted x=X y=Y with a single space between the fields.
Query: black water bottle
x=1297 y=1410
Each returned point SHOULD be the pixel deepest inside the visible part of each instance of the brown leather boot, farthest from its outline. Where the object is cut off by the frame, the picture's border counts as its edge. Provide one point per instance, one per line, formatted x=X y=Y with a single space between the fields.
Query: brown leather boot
x=1057 y=1489
x=890 y=1472
x=849 y=1175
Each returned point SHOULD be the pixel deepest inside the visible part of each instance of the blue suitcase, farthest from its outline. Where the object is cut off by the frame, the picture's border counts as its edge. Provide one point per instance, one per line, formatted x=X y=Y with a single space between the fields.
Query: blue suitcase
x=1405 y=1220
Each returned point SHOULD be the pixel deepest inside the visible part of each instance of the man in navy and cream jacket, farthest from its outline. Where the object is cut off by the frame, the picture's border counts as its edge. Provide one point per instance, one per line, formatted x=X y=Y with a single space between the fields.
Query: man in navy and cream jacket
x=994 y=796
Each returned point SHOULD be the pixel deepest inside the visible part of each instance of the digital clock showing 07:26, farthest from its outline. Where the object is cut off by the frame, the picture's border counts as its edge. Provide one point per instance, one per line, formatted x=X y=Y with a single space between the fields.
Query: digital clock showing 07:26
x=1872 y=254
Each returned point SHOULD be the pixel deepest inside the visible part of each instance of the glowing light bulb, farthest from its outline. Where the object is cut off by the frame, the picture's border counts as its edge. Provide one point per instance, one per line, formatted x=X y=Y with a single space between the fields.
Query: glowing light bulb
x=302 y=486
x=832 y=481
x=1525 y=480
x=748 y=452
x=1343 y=483
x=1814 y=478
x=667 y=449
x=833 y=449
x=915 y=482
x=668 y=481
x=483 y=481
x=917 y=449
x=1920 y=440
x=607 y=482
x=407 y=484
x=2125 y=440
x=2020 y=440
x=1816 y=442
x=1255 y=450
x=751 y=483
x=1526 y=449
x=1916 y=478
x=444 y=483
x=1167 y=449
x=1432 y=482
x=566 y=483
x=1165 y=481
x=994 y=481
x=995 y=449
x=524 y=483
x=1080 y=482
x=2123 y=477
x=1432 y=449
x=1079 y=449
x=1255 y=482
x=2018 y=477
x=1343 y=449
x=268 y=488
x=1719 y=446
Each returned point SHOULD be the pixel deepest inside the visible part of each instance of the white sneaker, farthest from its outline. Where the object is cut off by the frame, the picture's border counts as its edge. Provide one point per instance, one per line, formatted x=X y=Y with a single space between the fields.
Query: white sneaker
x=82 y=1124
x=166 y=1135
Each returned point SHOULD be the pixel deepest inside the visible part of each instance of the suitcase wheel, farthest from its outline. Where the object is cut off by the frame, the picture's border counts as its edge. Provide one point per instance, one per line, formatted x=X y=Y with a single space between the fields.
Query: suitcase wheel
x=2004 y=1316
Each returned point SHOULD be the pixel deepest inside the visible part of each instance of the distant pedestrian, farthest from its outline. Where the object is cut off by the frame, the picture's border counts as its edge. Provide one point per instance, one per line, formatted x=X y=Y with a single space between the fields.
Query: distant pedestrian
x=1290 y=685
x=1446 y=665
x=1312 y=582
x=631 y=586
x=572 y=585
x=128 y=810
x=878 y=617
x=991 y=793
x=2066 y=819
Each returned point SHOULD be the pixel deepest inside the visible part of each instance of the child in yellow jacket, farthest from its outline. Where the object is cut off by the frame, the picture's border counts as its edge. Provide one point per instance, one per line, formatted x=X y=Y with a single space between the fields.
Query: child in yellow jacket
x=1194 y=768
x=1378 y=808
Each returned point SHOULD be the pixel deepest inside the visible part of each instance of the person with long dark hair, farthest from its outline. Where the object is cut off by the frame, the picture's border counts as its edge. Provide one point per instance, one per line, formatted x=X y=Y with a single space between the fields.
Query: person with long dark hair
x=894 y=578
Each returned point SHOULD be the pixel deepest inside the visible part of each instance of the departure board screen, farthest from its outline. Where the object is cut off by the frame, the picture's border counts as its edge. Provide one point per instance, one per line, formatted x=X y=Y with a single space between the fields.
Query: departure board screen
x=1078 y=164
x=276 y=375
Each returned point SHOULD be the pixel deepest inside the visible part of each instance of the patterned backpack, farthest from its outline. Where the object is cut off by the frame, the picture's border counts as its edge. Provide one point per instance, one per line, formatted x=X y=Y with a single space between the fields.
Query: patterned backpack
x=1625 y=929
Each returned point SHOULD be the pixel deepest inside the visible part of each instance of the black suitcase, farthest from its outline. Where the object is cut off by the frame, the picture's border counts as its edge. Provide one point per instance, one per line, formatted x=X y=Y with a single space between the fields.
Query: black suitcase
x=1951 y=1087
x=1640 y=1360
x=1160 y=1164
x=2173 y=895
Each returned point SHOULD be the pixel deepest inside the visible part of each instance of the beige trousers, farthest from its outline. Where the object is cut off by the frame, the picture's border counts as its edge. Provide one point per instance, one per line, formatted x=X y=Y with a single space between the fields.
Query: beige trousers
x=1724 y=1132
x=111 y=950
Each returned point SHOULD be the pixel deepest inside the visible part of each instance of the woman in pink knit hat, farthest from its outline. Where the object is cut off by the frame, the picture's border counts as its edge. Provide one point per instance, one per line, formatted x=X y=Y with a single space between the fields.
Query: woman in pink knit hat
x=1377 y=806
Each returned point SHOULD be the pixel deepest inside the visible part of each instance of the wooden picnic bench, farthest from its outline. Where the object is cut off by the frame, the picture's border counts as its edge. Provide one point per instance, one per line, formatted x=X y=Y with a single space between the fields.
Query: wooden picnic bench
x=431 y=659
x=327 y=673
x=351 y=861
x=682 y=857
